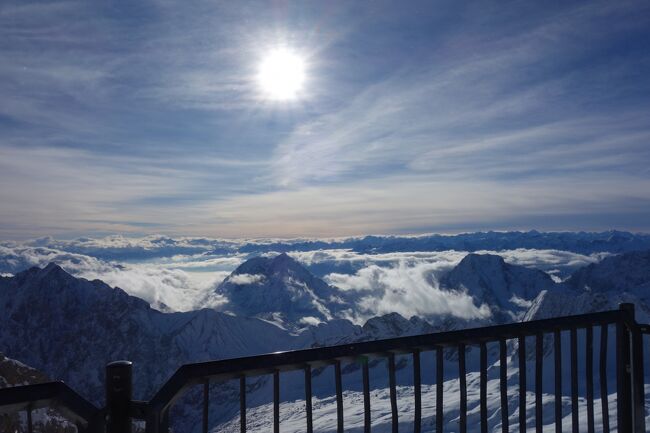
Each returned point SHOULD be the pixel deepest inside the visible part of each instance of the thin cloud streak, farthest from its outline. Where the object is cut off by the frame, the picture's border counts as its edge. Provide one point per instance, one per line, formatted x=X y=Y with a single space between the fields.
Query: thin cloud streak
x=146 y=118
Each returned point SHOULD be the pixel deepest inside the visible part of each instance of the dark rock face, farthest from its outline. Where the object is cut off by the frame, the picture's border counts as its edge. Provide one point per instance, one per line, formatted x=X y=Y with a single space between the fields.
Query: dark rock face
x=629 y=272
x=71 y=328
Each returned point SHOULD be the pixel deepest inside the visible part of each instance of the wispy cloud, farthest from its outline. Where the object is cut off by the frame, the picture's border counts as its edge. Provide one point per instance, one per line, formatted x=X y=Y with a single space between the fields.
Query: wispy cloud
x=146 y=118
x=485 y=109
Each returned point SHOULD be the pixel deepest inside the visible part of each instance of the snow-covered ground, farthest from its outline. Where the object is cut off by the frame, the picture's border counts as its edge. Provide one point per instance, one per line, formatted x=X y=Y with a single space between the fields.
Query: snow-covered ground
x=292 y=414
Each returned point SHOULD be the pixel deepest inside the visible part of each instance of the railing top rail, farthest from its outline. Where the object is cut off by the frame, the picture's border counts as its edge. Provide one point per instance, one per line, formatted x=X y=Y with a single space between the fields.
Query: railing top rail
x=56 y=395
x=191 y=374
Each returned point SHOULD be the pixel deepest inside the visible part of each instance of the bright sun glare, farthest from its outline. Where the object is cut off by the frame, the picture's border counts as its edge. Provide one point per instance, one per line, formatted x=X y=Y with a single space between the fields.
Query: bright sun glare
x=282 y=74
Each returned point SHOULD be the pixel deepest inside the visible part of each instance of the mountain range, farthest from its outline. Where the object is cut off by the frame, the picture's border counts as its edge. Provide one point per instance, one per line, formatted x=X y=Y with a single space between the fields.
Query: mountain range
x=613 y=241
x=17 y=256
x=69 y=327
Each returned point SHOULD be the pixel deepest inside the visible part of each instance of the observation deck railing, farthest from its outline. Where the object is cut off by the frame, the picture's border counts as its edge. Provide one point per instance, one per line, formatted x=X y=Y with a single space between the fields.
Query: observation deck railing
x=121 y=409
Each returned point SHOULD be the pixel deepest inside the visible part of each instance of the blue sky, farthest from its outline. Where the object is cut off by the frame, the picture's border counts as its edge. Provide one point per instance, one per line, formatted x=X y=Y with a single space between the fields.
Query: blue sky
x=147 y=117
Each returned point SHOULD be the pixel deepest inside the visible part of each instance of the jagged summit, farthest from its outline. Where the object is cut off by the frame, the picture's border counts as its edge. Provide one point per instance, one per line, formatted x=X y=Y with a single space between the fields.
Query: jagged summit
x=281 y=290
x=70 y=328
x=395 y=325
x=281 y=263
x=507 y=289
x=628 y=272
x=52 y=270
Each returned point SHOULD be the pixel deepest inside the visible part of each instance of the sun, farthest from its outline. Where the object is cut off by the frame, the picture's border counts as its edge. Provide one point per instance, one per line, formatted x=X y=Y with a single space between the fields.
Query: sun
x=282 y=74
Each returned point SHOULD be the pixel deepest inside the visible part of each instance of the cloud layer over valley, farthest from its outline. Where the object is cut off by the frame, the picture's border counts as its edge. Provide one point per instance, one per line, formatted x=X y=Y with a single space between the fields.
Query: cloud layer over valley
x=181 y=274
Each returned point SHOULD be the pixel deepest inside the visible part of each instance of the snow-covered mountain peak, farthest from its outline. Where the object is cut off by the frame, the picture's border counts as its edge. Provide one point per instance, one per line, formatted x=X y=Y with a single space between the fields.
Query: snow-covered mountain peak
x=507 y=289
x=280 y=290
x=52 y=272
x=629 y=272
x=478 y=261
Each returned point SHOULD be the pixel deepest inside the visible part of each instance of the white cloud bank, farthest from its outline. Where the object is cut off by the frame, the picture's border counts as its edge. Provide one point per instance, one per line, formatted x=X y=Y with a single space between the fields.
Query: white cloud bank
x=241 y=279
x=407 y=283
x=160 y=284
x=402 y=282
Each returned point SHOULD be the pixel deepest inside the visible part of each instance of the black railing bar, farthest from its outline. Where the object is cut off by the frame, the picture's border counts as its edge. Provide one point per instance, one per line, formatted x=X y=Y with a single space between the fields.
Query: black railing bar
x=575 y=419
x=392 y=384
x=603 y=379
x=539 y=377
x=521 y=355
x=242 y=405
x=417 y=393
x=623 y=385
x=30 y=425
x=366 y=397
x=191 y=374
x=503 y=385
x=339 y=397
x=557 y=367
x=206 y=406
x=276 y=402
x=56 y=395
x=462 y=385
x=138 y=409
x=308 y=400
x=589 y=372
x=439 y=389
x=637 y=377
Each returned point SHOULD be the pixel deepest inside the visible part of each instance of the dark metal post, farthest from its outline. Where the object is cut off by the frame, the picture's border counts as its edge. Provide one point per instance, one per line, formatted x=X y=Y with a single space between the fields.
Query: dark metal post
x=119 y=389
x=30 y=426
x=638 y=381
x=636 y=373
x=417 y=392
x=276 y=401
x=623 y=381
x=603 y=378
x=366 y=396
x=439 y=389
x=206 y=405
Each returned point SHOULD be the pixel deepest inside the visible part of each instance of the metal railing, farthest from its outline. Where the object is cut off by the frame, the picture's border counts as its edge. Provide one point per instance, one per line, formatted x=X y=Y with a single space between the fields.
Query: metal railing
x=55 y=395
x=121 y=409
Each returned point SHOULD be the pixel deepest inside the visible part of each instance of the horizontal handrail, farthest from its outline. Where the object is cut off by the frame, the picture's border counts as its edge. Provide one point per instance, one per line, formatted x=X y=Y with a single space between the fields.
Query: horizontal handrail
x=55 y=395
x=192 y=374
x=70 y=404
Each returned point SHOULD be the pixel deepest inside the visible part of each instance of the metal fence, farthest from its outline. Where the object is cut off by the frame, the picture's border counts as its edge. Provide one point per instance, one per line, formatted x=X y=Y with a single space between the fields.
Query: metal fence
x=121 y=409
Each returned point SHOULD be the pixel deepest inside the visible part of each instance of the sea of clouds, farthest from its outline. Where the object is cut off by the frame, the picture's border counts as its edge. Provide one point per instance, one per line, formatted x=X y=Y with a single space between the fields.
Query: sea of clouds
x=181 y=274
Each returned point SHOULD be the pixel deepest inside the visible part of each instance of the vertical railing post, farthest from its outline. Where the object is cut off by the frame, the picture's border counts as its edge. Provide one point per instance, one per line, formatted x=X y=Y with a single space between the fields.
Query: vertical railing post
x=624 y=409
x=636 y=373
x=152 y=422
x=119 y=389
x=638 y=381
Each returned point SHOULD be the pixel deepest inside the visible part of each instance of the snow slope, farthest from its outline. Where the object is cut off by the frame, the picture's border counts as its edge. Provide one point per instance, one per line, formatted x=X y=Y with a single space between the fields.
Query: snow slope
x=280 y=290
x=292 y=413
